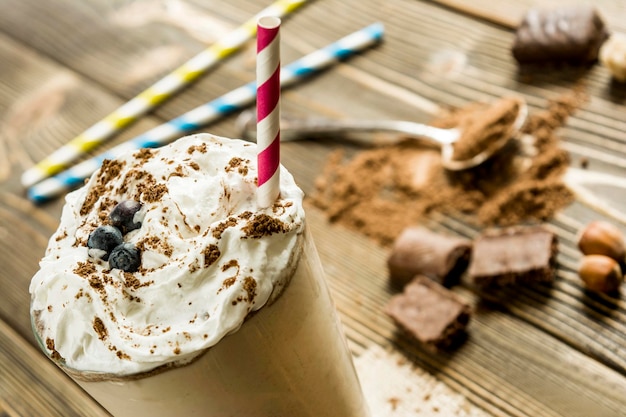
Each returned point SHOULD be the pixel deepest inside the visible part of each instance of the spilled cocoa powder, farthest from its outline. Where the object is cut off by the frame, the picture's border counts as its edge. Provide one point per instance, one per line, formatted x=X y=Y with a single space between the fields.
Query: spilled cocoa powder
x=381 y=191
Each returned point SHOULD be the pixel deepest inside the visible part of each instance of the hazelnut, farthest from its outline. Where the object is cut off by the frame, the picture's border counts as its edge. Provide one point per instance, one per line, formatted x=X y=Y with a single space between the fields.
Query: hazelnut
x=602 y=238
x=600 y=273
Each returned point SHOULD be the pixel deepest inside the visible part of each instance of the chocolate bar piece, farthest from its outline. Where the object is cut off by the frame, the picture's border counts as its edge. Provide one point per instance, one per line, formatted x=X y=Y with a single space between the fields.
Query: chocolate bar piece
x=519 y=254
x=572 y=34
x=419 y=250
x=430 y=313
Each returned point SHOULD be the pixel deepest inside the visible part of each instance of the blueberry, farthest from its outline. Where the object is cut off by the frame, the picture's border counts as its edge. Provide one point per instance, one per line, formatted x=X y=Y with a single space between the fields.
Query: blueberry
x=105 y=238
x=123 y=214
x=125 y=257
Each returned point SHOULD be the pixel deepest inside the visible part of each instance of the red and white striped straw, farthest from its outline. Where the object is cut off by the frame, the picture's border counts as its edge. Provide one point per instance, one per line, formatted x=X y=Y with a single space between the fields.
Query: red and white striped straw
x=268 y=110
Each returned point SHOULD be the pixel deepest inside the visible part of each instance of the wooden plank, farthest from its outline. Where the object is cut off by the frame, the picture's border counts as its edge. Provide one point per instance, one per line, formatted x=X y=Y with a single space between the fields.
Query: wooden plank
x=509 y=14
x=507 y=364
x=4 y=410
x=549 y=351
x=33 y=386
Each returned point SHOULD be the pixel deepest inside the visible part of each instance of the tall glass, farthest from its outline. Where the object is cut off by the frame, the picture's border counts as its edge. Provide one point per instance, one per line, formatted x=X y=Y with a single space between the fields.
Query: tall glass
x=288 y=359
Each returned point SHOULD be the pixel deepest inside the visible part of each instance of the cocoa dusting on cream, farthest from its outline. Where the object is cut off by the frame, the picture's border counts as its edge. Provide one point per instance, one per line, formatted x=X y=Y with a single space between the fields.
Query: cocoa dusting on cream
x=144 y=154
x=61 y=236
x=106 y=205
x=91 y=199
x=157 y=244
x=219 y=229
x=110 y=169
x=178 y=172
x=197 y=148
x=104 y=290
x=131 y=281
x=406 y=181
x=81 y=293
x=133 y=175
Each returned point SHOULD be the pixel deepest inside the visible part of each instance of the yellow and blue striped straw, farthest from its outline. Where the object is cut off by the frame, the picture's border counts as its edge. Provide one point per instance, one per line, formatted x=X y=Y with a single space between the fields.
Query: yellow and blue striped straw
x=153 y=96
x=209 y=112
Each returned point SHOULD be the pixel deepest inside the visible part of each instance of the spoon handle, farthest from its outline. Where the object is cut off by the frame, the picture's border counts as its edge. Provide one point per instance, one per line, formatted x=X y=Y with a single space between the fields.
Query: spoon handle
x=370 y=132
x=582 y=182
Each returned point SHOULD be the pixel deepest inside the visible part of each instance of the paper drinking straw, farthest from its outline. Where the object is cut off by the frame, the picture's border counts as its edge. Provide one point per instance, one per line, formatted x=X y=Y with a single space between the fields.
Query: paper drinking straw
x=268 y=110
x=153 y=96
x=210 y=112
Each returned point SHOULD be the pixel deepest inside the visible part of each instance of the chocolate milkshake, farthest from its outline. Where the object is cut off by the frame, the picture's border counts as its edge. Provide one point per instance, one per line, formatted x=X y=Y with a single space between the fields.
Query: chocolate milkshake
x=166 y=291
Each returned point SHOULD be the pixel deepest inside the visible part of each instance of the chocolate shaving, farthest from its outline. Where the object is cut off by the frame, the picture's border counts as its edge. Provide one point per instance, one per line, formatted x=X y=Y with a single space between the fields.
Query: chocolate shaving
x=238 y=164
x=249 y=284
x=53 y=352
x=99 y=328
x=123 y=355
x=233 y=263
x=228 y=282
x=197 y=148
x=84 y=269
x=155 y=193
x=95 y=283
x=211 y=254
x=219 y=229
x=263 y=225
x=131 y=281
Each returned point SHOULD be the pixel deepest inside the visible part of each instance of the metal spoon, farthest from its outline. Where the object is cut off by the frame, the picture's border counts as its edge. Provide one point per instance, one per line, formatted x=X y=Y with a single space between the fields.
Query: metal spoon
x=382 y=132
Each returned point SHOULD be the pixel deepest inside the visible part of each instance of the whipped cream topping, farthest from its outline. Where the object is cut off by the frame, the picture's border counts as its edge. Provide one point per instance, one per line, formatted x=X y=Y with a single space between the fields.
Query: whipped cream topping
x=209 y=257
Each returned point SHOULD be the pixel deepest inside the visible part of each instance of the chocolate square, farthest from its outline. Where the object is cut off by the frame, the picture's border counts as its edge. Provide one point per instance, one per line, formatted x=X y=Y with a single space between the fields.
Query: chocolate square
x=430 y=313
x=572 y=34
x=420 y=251
x=520 y=254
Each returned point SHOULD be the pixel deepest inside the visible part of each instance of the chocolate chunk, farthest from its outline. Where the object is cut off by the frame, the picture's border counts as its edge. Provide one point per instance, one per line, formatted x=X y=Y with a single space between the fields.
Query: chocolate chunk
x=520 y=254
x=572 y=34
x=420 y=251
x=430 y=313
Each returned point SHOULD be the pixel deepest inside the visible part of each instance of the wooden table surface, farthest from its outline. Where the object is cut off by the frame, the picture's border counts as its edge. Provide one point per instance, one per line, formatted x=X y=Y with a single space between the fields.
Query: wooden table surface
x=65 y=64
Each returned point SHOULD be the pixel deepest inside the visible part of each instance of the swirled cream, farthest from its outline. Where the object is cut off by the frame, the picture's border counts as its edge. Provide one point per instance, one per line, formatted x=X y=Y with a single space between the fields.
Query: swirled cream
x=209 y=258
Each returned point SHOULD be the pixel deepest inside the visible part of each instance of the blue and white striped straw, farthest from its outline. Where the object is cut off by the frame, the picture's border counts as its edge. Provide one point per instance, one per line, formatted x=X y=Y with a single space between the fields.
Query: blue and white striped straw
x=210 y=112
